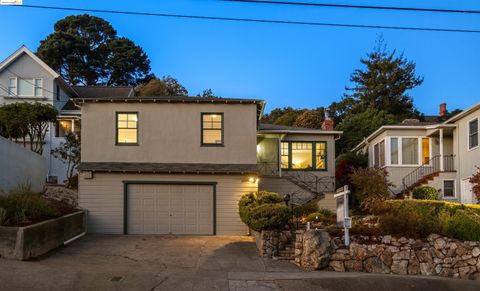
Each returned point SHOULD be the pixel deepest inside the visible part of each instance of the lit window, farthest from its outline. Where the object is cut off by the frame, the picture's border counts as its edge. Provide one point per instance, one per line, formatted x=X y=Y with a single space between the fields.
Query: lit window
x=304 y=155
x=409 y=151
x=64 y=127
x=473 y=134
x=425 y=150
x=212 y=129
x=448 y=188
x=127 y=128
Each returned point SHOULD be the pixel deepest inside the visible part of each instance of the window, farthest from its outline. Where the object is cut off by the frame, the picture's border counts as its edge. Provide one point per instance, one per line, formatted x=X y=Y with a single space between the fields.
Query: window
x=448 y=188
x=394 y=151
x=473 y=134
x=212 y=129
x=27 y=87
x=127 y=128
x=410 y=151
x=379 y=154
x=64 y=127
x=304 y=155
x=425 y=150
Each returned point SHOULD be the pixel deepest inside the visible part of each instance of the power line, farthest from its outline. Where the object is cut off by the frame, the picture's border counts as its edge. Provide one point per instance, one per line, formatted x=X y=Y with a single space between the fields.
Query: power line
x=252 y=20
x=436 y=10
x=55 y=95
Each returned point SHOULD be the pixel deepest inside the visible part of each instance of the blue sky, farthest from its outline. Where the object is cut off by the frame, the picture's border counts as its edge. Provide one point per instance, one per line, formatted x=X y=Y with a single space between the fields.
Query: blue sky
x=287 y=65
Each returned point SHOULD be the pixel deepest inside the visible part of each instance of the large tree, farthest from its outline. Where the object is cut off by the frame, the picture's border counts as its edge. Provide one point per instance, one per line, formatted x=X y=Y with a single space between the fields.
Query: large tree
x=383 y=84
x=167 y=86
x=311 y=118
x=85 y=49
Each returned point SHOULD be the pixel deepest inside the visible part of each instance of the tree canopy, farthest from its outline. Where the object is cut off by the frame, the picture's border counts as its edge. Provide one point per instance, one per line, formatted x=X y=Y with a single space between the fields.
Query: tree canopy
x=167 y=86
x=86 y=50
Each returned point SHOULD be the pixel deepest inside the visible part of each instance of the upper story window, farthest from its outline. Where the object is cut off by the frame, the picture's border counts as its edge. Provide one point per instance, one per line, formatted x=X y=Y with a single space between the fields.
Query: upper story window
x=25 y=87
x=304 y=155
x=473 y=134
x=127 y=128
x=212 y=129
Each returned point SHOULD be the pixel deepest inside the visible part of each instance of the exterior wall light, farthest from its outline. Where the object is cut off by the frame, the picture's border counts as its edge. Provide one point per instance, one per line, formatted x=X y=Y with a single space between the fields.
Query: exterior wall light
x=253 y=180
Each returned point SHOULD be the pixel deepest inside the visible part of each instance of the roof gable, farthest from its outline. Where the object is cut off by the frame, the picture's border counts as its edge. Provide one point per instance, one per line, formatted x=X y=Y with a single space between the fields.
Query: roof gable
x=24 y=50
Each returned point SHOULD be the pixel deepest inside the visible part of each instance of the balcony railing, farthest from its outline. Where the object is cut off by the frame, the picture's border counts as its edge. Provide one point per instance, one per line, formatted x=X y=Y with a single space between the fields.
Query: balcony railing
x=428 y=169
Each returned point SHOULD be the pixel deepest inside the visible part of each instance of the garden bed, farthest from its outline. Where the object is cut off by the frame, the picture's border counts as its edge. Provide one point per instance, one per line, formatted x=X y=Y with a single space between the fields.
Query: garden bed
x=28 y=242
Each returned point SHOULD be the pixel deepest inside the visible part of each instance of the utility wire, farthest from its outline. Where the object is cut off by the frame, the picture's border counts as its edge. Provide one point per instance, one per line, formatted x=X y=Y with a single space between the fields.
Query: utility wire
x=252 y=20
x=436 y=10
x=55 y=95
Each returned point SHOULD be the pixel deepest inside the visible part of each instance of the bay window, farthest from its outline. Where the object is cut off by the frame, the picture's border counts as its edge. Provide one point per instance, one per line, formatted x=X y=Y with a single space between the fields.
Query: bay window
x=410 y=151
x=304 y=156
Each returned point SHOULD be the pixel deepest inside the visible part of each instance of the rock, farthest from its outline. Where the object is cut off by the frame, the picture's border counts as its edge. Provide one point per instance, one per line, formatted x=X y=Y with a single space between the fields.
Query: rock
x=387 y=239
x=337 y=266
x=414 y=266
x=446 y=272
x=387 y=258
x=461 y=250
x=316 y=250
x=432 y=237
x=465 y=272
x=358 y=252
x=476 y=252
x=471 y=262
x=375 y=265
x=403 y=240
x=448 y=260
x=353 y=266
x=426 y=269
x=452 y=246
x=401 y=255
x=424 y=256
x=400 y=267
x=439 y=243
x=438 y=269
x=338 y=257
x=474 y=276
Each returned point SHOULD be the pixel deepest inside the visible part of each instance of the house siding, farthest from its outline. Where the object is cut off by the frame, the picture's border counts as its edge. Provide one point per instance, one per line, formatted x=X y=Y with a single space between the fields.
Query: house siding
x=103 y=197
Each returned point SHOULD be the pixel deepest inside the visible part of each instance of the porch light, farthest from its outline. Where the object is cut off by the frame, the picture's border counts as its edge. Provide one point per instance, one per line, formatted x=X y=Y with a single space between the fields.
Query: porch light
x=253 y=180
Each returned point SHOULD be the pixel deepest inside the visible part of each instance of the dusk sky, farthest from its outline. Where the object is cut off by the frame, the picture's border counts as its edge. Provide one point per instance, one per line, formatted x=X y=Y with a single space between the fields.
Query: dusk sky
x=286 y=65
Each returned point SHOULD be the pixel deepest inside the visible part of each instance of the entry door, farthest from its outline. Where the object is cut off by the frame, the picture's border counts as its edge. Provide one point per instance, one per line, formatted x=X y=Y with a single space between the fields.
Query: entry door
x=467 y=193
x=170 y=209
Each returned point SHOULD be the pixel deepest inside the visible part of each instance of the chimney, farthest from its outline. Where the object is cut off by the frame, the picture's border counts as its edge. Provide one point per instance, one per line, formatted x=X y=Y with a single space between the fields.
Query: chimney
x=443 y=110
x=328 y=123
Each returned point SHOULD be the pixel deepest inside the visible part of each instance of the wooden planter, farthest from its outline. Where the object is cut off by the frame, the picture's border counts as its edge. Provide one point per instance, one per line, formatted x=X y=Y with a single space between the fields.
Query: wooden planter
x=24 y=243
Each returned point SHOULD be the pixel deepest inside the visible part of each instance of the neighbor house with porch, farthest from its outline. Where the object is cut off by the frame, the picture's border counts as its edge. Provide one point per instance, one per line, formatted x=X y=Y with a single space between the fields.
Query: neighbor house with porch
x=440 y=154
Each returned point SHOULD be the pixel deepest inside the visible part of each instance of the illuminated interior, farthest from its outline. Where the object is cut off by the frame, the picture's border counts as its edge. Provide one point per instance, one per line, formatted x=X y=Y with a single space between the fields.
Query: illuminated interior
x=212 y=129
x=64 y=127
x=303 y=155
x=425 y=150
x=127 y=128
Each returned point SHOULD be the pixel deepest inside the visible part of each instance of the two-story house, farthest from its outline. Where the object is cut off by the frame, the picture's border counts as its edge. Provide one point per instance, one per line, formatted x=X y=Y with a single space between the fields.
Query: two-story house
x=443 y=155
x=179 y=165
x=26 y=78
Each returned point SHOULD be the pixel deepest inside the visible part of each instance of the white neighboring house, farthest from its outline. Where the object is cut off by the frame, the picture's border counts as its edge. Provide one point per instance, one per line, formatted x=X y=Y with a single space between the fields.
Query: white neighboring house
x=26 y=78
x=443 y=155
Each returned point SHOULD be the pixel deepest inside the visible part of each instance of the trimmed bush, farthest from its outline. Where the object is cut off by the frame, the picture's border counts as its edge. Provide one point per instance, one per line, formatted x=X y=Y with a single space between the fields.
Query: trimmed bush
x=327 y=213
x=425 y=193
x=305 y=209
x=263 y=211
x=323 y=215
x=315 y=217
x=463 y=224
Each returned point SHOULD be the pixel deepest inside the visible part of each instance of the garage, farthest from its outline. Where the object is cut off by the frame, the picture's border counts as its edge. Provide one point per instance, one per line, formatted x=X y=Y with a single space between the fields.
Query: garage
x=177 y=208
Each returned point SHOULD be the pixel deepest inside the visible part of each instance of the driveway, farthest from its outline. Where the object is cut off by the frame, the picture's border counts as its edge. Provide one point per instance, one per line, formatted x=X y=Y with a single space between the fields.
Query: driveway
x=98 y=262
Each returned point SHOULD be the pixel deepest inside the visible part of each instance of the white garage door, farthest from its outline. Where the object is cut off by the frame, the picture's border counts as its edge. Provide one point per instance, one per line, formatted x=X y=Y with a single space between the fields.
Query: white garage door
x=170 y=209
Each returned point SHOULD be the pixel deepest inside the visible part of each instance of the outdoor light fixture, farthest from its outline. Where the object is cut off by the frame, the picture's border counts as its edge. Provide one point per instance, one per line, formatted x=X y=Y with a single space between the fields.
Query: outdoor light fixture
x=286 y=198
x=252 y=180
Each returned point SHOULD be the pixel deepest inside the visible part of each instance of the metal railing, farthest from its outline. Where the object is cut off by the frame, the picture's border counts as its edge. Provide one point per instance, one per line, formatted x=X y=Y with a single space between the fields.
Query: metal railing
x=268 y=168
x=433 y=166
x=310 y=181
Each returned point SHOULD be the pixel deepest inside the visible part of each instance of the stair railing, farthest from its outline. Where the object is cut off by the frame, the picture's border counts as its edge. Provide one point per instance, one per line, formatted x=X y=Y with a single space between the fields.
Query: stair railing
x=433 y=166
x=311 y=182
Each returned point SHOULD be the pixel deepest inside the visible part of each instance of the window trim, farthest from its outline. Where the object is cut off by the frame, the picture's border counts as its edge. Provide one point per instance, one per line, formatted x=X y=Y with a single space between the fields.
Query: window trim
x=388 y=153
x=222 y=144
x=469 y=134
x=116 y=129
x=33 y=85
x=314 y=155
x=16 y=87
x=454 y=189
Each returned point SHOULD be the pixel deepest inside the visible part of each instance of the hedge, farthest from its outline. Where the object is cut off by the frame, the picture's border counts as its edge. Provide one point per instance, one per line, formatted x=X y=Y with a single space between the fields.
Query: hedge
x=263 y=211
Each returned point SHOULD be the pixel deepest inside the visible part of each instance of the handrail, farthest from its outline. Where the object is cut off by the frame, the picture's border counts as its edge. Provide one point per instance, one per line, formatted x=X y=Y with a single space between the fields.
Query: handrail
x=433 y=166
x=311 y=182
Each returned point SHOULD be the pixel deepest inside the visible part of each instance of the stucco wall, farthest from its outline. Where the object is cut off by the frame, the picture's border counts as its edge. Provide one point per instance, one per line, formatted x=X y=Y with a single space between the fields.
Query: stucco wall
x=169 y=133
x=20 y=166
x=103 y=197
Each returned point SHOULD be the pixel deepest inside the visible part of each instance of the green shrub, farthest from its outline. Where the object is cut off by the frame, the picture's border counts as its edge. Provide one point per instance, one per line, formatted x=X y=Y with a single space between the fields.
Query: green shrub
x=327 y=213
x=464 y=225
x=425 y=193
x=315 y=217
x=264 y=210
x=370 y=185
x=22 y=206
x=305 y=209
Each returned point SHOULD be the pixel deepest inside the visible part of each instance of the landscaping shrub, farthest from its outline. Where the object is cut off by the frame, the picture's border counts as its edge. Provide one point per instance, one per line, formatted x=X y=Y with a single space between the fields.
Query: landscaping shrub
x=23 y=206
x=305 y=209
x=327 y=213
x=323 y=215
x=425 y=193
x=370 y=185
x=263 y=210
x=420 y=218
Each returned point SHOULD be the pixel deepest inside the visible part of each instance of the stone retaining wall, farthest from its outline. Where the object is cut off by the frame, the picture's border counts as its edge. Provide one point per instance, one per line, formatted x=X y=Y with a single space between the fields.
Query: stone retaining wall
x=434 y=256
x=271 y=242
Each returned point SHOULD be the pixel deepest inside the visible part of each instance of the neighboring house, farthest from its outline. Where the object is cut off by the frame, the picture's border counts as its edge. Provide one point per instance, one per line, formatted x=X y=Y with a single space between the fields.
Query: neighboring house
x=159 y=165
x=439 y=154
x=26 y=78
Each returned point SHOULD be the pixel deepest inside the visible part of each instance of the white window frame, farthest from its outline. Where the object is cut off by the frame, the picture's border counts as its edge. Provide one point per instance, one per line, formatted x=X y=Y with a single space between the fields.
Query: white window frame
x=454 y=189
x=388 y=151
x=13 y=92
x=33 y=85
x=384 y=151
x=469 y=134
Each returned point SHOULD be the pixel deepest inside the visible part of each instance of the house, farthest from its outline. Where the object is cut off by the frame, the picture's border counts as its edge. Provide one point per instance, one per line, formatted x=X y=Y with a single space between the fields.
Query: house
x=179 y=165
x=440 y=154
x=26 y=78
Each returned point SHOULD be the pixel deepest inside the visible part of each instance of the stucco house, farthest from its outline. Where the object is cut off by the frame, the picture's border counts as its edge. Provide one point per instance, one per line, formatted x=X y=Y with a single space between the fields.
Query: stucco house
x=179 y=165
x=443 y=155
x=26 y=78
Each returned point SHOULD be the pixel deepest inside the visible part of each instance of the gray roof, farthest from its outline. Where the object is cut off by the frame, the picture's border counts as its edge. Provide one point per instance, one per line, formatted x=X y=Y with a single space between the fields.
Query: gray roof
x=103 y=91
x=419 y=123
x=177 y=99
x=267 y=126
x=176 y=168
x=70 y=106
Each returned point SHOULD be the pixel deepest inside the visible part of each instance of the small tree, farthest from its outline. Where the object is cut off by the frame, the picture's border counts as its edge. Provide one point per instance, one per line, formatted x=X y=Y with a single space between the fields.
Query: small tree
x=370 y=186
x=475 y=180
x=69 y=153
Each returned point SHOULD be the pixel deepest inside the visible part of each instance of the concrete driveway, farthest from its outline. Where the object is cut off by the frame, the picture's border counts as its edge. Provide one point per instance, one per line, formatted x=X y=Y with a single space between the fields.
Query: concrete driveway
x=187 y=263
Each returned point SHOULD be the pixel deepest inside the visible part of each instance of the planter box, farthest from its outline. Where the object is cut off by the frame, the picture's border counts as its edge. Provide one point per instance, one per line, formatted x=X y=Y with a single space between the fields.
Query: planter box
x=24 y=243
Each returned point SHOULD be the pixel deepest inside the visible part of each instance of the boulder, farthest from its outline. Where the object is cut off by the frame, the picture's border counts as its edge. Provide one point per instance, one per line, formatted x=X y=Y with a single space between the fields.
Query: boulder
x=316 y=250
x=358 y=252
x=337 y=266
